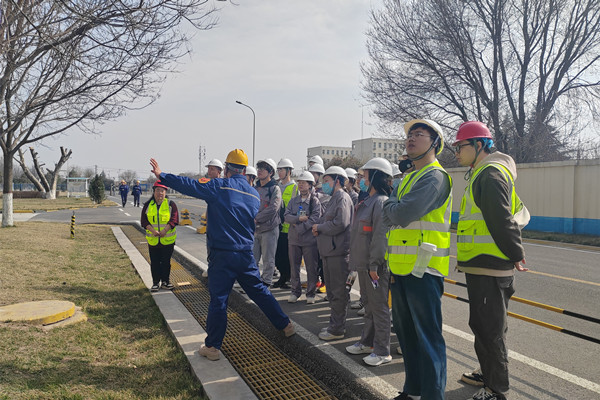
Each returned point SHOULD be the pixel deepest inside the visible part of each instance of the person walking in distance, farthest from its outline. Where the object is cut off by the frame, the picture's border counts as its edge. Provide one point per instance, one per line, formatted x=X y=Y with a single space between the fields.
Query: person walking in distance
x=123 y=190
x=418 y=255
x=159 y=218
x=233 y=205
x=136 y=191
x=489 y=251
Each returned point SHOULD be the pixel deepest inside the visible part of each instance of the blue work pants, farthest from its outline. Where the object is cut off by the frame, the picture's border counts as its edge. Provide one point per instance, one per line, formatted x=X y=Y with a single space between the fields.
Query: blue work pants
x=224 y=268
x=417 y=317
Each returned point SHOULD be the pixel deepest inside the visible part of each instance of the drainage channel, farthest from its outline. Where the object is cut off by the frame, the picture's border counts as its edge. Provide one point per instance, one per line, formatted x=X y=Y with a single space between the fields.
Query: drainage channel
x=267 y=371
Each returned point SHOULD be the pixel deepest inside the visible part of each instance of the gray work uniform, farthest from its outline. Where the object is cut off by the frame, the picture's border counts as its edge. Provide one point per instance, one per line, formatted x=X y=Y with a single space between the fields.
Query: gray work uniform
x=302 y=242
x=333 y=242
x=368 y=243
x=267 y=228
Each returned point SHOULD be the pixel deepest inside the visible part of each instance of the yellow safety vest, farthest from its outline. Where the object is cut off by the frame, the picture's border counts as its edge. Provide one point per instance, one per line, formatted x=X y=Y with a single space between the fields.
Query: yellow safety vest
x=434 y=227
x=473 y=235
x=157 y=220
x=289 y=192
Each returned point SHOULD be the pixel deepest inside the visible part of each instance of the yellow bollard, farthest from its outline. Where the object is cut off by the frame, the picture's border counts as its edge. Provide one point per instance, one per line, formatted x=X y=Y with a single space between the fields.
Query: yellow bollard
x=73 y=226
x=202 y=228
x=185 y=217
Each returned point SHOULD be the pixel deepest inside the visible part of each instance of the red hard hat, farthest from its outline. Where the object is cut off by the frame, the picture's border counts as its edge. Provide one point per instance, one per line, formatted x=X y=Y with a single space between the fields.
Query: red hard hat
x=159 y=184
x=472 y=130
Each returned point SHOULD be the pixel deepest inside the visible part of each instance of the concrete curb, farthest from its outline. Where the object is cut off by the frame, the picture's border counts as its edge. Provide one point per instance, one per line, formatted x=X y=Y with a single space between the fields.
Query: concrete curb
x=218 y=378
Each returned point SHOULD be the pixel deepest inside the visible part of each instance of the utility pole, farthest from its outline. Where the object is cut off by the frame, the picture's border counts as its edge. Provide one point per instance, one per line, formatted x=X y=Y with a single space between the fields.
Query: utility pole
x=201 y=158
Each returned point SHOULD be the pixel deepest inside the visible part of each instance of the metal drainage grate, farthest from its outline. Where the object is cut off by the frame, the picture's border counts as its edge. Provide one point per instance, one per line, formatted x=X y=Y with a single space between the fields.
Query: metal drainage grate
x=266 y=370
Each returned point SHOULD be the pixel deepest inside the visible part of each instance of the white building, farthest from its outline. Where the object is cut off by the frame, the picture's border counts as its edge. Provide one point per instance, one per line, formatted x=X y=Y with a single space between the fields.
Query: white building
x=329 y=152
x=365 y=149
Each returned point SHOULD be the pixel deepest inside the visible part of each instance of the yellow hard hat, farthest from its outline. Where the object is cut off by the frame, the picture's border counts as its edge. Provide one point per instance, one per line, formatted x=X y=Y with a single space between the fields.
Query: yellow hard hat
x=238 y=157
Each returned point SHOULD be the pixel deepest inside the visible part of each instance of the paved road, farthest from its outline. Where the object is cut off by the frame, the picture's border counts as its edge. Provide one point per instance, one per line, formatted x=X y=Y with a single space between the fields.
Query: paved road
x=544 y=364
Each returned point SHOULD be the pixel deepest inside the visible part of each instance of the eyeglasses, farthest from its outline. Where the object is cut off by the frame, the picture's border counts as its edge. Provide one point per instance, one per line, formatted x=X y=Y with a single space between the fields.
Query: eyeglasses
x=459 y=147
x=415 y=135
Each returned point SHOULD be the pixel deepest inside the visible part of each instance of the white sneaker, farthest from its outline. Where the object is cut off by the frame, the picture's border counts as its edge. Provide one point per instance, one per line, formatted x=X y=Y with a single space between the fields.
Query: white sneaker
x=358 y=348
x=325 y=335
x=374 y=360
x=205 y=274
x=361 y=312
x=292 y=299
x=310 y=300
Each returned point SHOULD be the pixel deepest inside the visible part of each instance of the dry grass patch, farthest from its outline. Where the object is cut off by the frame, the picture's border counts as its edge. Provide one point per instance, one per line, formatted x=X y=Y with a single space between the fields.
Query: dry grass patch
x=123 y=351
x=58 y=204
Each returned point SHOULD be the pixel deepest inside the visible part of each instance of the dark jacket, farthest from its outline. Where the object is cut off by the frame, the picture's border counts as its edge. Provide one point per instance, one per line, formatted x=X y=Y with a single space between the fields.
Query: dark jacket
x=492 y=194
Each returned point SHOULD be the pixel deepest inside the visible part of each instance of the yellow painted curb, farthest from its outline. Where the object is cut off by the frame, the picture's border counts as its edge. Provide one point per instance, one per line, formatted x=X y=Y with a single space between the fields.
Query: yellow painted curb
x=37 y=312
x=22 y=211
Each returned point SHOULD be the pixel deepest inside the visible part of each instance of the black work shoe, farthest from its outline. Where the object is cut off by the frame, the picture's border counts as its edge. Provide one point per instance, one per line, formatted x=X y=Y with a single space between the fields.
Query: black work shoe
x=154 y=288
x=474 y=378
x=168 y=286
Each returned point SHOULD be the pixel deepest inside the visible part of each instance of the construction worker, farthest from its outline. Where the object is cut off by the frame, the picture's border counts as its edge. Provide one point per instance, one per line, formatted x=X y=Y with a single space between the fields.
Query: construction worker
x=317 y=171
x=368 y=244
x=233 y=203
x=288 y=189
x=301 y=213
x=489 y=250
x=315 y=160
x=418 y=217
x=333 y=241
x=159 y=218
x=268 y=219
x=215 y=167
x=251 y=174
x=351 y=185
x=123 y=190
x=136 y=191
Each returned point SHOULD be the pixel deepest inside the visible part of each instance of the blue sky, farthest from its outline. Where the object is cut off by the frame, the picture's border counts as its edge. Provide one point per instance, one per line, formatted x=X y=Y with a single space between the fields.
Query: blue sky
x=296 y=63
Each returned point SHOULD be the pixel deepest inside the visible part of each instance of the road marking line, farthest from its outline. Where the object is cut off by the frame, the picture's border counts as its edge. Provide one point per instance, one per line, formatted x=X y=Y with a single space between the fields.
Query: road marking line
x=561 y=248
x=564 y=277
x=120 y=209
x=584 y=383
x=129 y=215
x=190 y=227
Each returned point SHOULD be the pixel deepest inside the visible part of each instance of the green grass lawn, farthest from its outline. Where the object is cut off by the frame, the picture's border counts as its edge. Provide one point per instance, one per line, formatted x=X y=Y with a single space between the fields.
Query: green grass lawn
x=60 y=203
x=123 y=351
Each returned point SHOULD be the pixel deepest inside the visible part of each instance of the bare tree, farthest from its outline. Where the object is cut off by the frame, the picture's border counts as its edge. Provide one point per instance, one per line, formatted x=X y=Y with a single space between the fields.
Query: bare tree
x=527 y=68
x=41 y=181
x=67 y=63
x=128 y=176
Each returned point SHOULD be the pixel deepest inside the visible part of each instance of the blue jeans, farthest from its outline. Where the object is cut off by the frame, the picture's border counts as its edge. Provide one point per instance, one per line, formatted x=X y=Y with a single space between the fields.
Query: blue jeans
x=417 y=314
x=225 y=267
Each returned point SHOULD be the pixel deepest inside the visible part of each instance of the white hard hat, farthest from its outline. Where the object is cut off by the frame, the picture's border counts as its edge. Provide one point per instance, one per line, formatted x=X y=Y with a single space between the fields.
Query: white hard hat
x=335 y=170
x=215 y=163
x=380 y=164
x=395 y=170
x=268 y=161
x=433 y=125
x=317 y=168
x=316 y=159
x=285 y=163
x=306 y=176
x=251 y=171
x=351 y=172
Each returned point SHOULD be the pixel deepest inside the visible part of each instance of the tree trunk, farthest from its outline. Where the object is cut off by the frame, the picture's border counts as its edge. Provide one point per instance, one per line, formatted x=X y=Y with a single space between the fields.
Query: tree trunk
x=7 y=195
x=28 y=173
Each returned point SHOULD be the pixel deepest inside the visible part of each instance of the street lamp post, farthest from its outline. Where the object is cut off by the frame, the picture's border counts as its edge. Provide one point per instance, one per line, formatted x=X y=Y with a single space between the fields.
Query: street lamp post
x=253 y=127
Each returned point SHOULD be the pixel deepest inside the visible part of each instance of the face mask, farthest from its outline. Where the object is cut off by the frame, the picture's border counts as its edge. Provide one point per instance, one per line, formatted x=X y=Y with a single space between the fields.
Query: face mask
x=363 y=186
x=327 y=189
x=396 y=182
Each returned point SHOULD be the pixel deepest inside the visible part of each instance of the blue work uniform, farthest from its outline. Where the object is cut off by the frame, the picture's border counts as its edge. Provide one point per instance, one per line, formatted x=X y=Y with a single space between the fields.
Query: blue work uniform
x=124 y=189
x=232 y=206
x=136 y=191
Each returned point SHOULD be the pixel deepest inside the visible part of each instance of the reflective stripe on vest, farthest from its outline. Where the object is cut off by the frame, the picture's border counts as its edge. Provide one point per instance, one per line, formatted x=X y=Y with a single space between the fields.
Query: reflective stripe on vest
x=158 y=219
x=434 y=227
x=289 y=192
x=473 y=235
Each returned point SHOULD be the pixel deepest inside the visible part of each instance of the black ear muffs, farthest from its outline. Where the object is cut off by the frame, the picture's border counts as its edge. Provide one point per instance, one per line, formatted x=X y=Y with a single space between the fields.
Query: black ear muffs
x=405 y=165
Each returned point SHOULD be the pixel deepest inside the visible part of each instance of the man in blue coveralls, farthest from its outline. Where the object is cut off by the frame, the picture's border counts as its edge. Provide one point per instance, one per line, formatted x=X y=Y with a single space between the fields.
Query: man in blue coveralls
x=232 y=206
